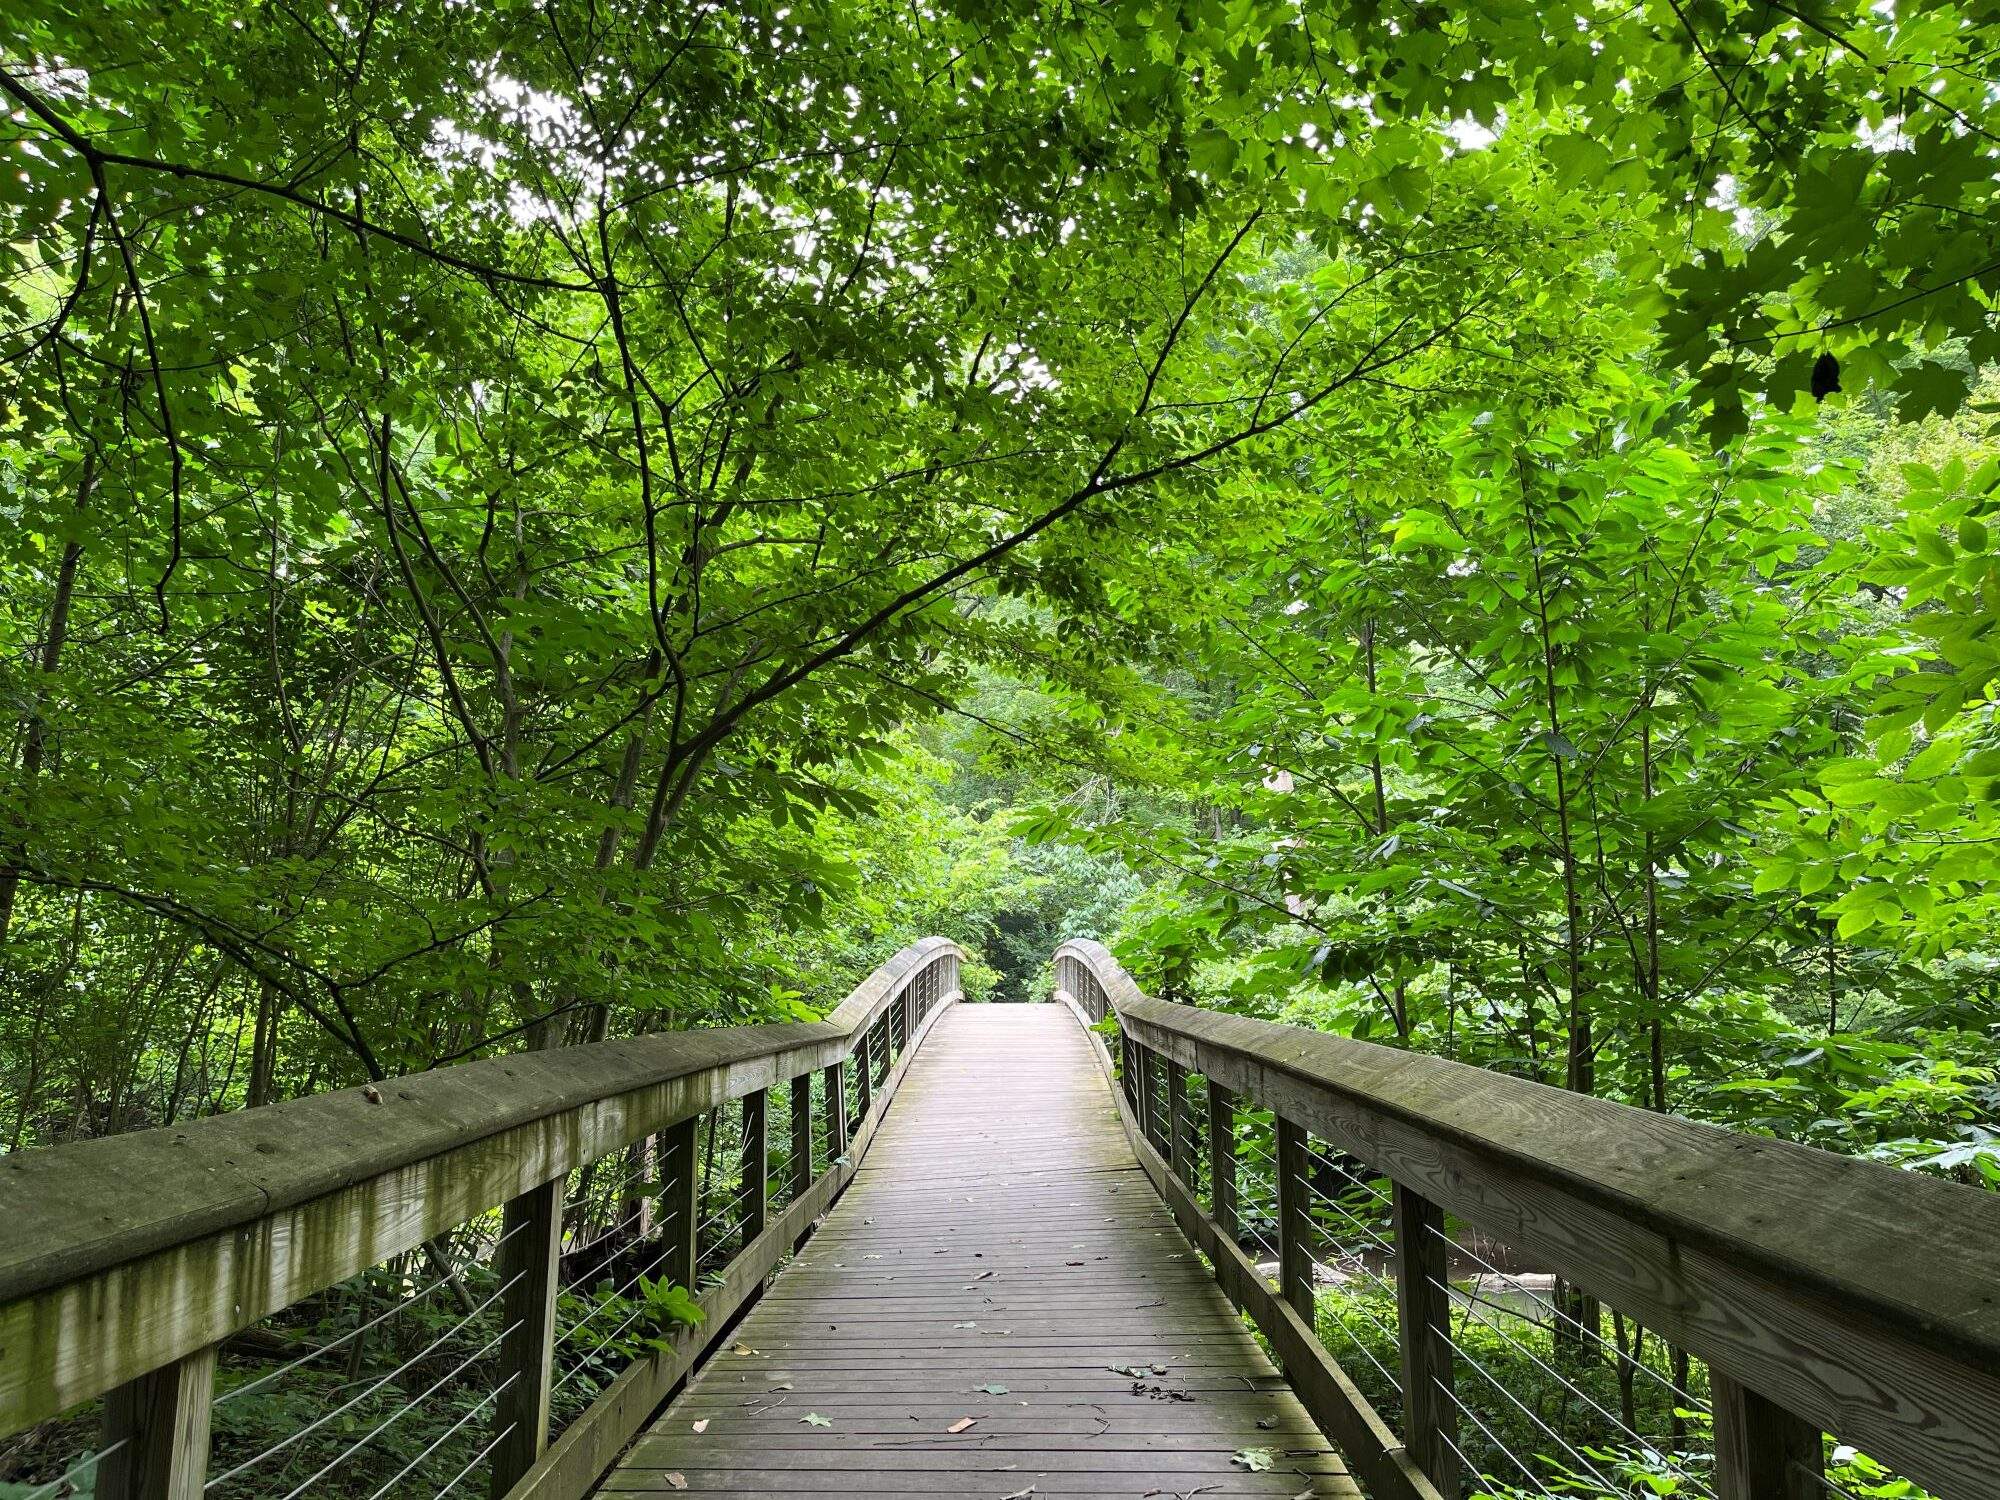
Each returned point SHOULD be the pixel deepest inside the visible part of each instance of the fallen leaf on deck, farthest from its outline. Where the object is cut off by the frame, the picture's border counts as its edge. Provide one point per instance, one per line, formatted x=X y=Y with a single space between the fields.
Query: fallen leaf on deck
x=1256 y=1460
x=961 y=1424
x=814 y=1419
x=994 y=1390
x=702 y=1425
x=677 y=1481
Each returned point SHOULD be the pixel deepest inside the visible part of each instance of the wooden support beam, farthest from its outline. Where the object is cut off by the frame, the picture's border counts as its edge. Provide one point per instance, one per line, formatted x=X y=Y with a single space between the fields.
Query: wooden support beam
x=1145 y=1069
x=1423 y=1323
x=836 y=1111
x=156 y=1432
x=864 y=1076
x=756 y=1163
x=1295 y=1227
x=1222 y=1157
x=1762 y=1451
x=800 y=1168
x=680 y=1203
x=1180 y=1133
x=528 y=1266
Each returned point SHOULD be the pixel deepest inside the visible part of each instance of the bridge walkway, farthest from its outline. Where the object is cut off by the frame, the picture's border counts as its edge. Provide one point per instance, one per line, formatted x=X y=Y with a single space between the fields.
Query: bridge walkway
x=964 y=1321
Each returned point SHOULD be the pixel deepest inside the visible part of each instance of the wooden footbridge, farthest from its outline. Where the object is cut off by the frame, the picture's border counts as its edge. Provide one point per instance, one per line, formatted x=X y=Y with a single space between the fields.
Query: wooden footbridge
x=1107 y=1246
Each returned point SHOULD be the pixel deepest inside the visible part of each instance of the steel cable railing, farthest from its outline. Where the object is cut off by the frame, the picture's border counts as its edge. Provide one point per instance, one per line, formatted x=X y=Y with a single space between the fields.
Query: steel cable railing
x=65 y=1483
x=420 y=1371
x=373 y=1387
x=1491 y=1360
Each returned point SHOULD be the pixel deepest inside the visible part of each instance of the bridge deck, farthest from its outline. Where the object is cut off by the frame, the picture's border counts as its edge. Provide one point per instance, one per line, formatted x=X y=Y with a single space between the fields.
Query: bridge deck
x=996 y=1255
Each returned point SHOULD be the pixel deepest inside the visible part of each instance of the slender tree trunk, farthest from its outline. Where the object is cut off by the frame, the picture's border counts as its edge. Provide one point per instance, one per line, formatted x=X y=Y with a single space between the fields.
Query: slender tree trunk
x=1572 y=1334
x=35 y=738
x=1399 y=999
x=264 y=1046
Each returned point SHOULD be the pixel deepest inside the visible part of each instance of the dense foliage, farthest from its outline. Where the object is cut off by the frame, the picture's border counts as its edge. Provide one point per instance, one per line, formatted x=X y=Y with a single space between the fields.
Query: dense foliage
x=1472 y=528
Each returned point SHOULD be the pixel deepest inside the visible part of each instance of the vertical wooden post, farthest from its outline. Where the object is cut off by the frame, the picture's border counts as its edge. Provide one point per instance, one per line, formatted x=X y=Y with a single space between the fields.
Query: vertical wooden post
x=681 y=1203
x=159 y=1426
x=1762 y=1451
x=756 y=1163
x=530 y=1259
x=801 y=1164
x=1142 y=1078
x=1222 y=1157
x=909 y=1013
x=639 y=1205
x=864 y=1076
x=1180 y=1145
x=1423 y=1322
x=1295 y=1232
x=836 y=1111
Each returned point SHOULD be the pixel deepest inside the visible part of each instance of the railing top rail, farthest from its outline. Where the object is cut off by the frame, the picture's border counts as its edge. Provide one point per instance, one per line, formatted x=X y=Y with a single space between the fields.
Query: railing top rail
x=1846 y=1225
x=1862 y=1297
x=165 y=1238
x=75 y=1209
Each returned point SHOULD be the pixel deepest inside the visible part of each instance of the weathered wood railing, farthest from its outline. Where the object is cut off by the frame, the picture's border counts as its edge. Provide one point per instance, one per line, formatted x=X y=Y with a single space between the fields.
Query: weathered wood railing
x=1826 y=1295
x=126 y=1264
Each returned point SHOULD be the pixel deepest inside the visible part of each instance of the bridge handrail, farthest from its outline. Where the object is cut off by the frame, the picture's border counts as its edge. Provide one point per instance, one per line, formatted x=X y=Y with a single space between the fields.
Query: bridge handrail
x=124 y=1262
x=1827 y=1294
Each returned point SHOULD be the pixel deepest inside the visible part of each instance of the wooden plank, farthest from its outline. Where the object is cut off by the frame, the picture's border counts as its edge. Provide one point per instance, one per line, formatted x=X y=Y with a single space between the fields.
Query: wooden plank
x=125 y=1254
x=529 y=1265
x=1762 y=1451
x=156 y=1433
x=1423 y=1329
x=997 y=1235
x=1787 y=1266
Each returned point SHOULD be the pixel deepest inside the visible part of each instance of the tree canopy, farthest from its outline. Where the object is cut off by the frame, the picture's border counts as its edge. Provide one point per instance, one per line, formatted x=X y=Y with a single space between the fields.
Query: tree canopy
x=526 y=522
